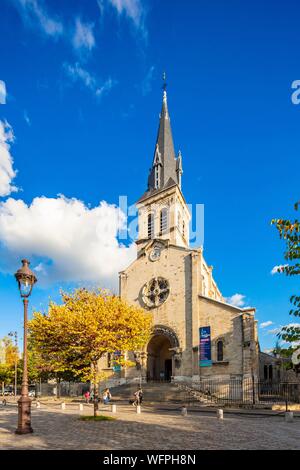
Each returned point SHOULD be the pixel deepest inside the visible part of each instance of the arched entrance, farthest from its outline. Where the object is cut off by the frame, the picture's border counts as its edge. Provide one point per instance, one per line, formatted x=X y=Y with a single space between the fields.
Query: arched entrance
x=160 y=354
x=159 y=364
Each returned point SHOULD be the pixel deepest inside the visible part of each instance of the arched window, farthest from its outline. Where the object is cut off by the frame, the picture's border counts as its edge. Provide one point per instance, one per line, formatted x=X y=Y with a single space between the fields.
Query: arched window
x=278 y=375
x=270 y=372
x=150 y=226
x=163 y=221
x=265 y=372
x=220 y=351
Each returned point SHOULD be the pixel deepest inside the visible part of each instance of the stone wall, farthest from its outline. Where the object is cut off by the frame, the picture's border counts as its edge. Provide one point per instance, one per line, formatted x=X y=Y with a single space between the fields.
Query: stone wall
x=186 y=310
x=175 y=265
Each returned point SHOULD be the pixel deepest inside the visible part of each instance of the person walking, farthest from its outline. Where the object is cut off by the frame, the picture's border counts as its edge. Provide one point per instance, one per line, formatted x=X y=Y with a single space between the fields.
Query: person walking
x=87 y=396
x=138 y=397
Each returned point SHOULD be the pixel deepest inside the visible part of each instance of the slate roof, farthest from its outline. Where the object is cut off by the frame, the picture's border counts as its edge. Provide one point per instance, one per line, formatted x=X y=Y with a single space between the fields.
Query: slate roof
x=164 y=156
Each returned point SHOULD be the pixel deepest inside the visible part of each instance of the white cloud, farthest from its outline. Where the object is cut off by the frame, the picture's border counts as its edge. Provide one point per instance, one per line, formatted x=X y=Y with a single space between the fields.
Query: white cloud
x=34 y=12
x=147 y=82
x=277 y=330
x=78 y=74
x=278 y=268
x=2 y=92
x=131 y=8
x=27 y=118
x=83 y=38
x=237 y=300
x=67 y=240
x=268 y=351
x=265 y=324
x=36 y=16
x=274 y=331
x=7 y=173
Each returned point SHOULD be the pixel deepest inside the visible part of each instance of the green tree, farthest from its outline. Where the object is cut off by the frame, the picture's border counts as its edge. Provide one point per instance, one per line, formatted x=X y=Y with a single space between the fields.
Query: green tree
x=72 y=337
x=6 y=375
x=289 y=231
x=9 y=357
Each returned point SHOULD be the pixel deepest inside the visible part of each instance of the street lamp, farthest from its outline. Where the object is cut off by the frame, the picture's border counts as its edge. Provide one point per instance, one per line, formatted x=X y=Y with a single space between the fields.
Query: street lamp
x=15 y=335
x=26 y=279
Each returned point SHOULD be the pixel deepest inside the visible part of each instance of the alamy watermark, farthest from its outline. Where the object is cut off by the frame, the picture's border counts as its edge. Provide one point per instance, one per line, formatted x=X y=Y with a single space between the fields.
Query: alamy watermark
x=174 y=219
x=295 y=96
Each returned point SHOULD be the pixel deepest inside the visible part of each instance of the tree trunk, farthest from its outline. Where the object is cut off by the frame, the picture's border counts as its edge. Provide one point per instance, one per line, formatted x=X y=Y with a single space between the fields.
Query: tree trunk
x=58 y=388
x=95 y=366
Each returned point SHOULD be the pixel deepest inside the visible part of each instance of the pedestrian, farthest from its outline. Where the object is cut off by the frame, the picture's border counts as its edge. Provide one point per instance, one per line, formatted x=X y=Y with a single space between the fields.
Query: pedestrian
x=87 y=396
x=106 y=396
x=138 y=397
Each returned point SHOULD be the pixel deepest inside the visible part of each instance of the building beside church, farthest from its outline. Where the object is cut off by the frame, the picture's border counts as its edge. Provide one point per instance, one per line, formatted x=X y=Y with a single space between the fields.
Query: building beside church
x=173 y=282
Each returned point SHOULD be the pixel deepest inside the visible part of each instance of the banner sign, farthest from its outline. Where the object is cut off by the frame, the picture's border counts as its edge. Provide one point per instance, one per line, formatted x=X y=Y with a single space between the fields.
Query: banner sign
x=116 y=367
x=205 y=347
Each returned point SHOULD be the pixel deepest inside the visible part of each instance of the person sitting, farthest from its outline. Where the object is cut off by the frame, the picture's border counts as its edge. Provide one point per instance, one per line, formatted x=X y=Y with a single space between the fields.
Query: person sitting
x=106 y=396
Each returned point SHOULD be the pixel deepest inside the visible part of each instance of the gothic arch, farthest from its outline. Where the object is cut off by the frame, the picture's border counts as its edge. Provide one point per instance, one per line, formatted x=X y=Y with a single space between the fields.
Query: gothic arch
x=162 y=330
x=163 y=354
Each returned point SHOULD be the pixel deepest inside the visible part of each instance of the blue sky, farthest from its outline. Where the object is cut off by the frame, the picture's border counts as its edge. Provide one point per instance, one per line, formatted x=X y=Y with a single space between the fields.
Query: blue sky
x=82 y=96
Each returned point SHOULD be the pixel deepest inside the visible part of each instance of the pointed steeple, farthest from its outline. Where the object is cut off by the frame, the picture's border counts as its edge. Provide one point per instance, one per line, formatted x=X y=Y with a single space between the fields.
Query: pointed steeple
x=164 y=171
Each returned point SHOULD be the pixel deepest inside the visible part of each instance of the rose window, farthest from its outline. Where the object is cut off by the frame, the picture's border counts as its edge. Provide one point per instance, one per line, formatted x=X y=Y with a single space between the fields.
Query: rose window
x=156 y=292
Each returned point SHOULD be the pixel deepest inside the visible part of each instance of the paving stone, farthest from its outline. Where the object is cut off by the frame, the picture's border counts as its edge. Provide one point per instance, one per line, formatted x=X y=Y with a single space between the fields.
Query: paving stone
x=166 y=430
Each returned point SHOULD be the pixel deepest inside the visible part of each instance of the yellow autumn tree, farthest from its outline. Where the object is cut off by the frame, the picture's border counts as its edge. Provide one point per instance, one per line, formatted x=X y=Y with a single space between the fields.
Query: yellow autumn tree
x=73 y=336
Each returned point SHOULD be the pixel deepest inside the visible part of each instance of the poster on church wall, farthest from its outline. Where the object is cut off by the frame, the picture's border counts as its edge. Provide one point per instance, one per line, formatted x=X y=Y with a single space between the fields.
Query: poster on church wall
x=116 y=365
x=204 y=347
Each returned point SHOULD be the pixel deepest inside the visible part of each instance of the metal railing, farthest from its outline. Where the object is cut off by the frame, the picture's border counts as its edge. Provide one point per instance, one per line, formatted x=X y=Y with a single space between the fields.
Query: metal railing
x=244 y=392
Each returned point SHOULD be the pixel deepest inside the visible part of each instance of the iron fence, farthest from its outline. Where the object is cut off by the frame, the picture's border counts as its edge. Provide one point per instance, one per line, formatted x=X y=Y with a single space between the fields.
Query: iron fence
x=246 y=392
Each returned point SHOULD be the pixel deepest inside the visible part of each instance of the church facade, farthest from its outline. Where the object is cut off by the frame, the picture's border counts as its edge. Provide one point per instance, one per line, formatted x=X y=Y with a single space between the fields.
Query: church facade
x=173 y=282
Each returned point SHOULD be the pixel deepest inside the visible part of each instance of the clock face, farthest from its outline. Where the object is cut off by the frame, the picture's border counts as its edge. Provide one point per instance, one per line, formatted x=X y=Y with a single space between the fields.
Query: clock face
x=155 y=253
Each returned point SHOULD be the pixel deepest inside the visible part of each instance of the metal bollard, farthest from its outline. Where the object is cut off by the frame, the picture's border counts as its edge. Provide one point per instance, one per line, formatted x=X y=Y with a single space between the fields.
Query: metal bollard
x=220 y=414
x=289 y=416
x=80 y=407
x=138 y=409
x=184 y=411
x=113 y=408
x=63 y=406
x=38 y=405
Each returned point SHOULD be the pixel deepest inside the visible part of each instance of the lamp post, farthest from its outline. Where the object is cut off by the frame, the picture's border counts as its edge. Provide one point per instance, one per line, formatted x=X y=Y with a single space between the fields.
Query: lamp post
x=26 y=279
x=15 y=335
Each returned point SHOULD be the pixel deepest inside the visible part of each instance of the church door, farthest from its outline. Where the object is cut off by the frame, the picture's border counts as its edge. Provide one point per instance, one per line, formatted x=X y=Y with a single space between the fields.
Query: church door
x=159 y=363
x=168 y=369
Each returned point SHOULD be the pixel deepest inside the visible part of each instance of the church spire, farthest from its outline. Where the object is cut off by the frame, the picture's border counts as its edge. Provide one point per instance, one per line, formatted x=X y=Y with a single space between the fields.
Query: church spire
x=164 y=171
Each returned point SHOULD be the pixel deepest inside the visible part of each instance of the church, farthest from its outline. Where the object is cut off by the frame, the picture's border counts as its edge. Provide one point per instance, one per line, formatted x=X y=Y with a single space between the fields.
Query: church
x=196 y=334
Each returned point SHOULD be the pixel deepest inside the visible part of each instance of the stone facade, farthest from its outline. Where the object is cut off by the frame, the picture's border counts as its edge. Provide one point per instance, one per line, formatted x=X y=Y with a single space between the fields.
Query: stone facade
x=176 y=285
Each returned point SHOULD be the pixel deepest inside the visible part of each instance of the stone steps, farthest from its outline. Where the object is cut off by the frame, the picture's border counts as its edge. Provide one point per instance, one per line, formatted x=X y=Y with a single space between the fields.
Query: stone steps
x=152 y=393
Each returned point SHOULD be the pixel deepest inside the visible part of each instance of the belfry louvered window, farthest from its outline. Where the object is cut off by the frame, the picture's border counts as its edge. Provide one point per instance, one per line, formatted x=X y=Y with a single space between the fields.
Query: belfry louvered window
x=150 y=226
x=163 y=221
x=179 y=221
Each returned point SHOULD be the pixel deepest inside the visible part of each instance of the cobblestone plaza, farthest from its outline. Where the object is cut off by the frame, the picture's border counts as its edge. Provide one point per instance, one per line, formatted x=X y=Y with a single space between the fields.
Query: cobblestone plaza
x=152 y=429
